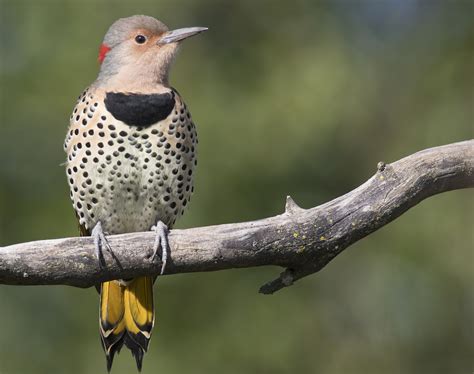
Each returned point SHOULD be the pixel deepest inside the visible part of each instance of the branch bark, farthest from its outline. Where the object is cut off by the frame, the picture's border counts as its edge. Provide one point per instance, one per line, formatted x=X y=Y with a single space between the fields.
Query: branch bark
x=302 y=241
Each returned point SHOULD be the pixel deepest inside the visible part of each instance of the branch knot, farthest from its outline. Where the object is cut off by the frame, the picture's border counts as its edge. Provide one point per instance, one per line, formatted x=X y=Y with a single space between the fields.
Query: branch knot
x=291 y=207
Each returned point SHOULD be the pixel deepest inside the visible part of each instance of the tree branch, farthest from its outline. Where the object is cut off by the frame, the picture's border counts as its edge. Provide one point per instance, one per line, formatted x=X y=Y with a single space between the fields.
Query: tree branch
x=302 y=241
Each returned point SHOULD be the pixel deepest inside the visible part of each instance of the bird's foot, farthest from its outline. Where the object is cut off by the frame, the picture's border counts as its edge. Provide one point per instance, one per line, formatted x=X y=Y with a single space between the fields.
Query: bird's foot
x=161 y=241
x=100 y=241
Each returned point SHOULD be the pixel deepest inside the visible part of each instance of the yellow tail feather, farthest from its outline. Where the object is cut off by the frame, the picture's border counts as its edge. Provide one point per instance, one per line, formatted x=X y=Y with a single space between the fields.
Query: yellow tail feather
x=126 y=317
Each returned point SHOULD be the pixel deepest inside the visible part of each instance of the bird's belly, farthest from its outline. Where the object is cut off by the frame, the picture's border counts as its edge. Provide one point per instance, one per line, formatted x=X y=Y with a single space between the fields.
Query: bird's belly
x=134 y=177
x=138 y=193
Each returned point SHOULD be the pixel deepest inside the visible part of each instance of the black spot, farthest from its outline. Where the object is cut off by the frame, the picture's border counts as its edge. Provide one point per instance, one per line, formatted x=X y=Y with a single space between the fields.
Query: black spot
x=123 y=133
x=84 y=122
x=139 y=110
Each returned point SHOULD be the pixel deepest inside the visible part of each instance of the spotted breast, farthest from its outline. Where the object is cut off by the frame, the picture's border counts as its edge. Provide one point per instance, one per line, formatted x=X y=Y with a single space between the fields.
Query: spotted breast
x=130 y=159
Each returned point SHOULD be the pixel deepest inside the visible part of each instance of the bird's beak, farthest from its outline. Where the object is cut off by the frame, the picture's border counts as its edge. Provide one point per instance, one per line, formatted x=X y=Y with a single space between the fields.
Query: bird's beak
x=180 y=34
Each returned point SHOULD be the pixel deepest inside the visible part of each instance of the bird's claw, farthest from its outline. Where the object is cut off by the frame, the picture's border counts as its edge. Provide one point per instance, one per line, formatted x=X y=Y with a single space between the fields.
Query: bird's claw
x=161 y=241
x=100 y=241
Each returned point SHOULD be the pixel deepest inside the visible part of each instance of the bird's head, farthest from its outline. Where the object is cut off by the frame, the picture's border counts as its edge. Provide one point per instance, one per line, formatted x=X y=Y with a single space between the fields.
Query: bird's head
x=138 y=51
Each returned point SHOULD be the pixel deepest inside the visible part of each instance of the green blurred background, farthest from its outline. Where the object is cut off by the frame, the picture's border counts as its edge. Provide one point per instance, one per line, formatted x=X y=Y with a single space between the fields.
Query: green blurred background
x=290 y=97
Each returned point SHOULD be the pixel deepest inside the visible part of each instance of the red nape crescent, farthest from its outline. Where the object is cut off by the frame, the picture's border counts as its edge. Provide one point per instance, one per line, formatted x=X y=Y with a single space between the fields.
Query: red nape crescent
x=103 y=50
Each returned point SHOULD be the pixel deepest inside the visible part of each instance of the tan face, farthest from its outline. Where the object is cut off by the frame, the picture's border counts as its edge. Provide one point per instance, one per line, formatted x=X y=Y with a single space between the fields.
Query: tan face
x=138 y=51
x=145 y=40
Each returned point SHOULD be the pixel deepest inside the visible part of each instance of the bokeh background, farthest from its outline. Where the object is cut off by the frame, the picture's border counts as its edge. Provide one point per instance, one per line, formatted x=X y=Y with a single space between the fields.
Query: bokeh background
x=296 y=97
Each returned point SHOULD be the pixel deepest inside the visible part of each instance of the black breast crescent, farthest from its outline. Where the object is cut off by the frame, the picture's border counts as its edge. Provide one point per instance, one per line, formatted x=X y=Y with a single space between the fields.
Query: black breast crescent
x=140 y=110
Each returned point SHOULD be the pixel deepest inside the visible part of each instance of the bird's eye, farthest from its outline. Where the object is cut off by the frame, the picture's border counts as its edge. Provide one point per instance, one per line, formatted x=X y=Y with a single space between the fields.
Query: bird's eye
x=140 y=39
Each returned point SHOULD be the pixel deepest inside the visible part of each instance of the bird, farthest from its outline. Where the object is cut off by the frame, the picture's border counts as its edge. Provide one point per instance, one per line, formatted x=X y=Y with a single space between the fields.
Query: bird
x=131 y=157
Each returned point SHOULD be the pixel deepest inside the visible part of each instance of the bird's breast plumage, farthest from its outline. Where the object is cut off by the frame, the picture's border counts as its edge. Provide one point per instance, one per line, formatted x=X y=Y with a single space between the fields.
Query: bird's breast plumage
x=130 y=163
x=141 y=110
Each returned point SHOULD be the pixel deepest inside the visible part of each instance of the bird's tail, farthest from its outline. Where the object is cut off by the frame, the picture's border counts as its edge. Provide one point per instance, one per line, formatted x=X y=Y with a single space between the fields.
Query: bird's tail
x=126 y=316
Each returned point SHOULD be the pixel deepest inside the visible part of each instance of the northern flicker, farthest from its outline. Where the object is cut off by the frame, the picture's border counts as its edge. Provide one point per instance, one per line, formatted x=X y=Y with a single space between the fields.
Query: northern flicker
x=131 y=155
